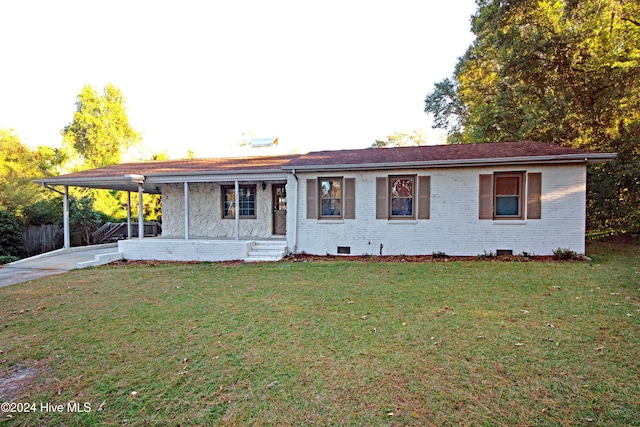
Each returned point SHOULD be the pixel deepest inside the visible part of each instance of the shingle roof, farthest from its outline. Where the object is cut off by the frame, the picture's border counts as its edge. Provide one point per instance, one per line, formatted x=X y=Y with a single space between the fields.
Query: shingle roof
x=443 y=155
x=129 y=175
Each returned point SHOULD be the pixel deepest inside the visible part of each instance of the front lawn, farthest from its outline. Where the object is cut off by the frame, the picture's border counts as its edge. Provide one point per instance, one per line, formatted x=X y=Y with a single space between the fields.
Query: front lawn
x=328 y=343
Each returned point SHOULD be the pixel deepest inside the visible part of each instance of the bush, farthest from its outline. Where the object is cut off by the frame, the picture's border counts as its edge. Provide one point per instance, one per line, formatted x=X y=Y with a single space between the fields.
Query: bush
x=439 y=255
x=6 y=259
x=486 y=255
x=565 y=254
x=11 y=235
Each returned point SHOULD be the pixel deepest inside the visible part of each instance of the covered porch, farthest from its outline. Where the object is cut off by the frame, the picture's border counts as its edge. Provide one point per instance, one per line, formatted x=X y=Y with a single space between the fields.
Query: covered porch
x=212 y=209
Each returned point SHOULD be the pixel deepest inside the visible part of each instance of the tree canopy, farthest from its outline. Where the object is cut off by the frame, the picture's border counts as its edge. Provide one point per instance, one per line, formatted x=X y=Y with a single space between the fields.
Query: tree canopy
x=19 y=165
x=100 y=131
x=401 y=139
x=559 y=71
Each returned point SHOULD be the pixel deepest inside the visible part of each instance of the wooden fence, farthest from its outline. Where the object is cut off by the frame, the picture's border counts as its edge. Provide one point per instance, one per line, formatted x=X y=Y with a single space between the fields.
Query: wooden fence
x=42 y=238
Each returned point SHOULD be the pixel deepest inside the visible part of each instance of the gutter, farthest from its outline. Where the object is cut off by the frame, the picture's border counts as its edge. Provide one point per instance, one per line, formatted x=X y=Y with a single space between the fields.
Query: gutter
x=567 y=158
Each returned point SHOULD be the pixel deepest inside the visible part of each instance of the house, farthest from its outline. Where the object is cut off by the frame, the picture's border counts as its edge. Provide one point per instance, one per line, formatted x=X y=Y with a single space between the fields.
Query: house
x=512 y=197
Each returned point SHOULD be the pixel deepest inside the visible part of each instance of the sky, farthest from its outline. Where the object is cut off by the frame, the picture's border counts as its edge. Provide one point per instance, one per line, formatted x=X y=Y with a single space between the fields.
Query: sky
x=197 y=75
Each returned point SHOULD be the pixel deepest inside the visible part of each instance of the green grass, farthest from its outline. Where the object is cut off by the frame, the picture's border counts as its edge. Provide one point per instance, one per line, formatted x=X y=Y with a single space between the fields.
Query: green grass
x=332 y=343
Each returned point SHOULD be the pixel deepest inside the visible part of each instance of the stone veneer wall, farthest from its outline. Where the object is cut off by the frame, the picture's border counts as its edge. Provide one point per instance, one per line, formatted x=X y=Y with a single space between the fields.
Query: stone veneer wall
x=205 y=213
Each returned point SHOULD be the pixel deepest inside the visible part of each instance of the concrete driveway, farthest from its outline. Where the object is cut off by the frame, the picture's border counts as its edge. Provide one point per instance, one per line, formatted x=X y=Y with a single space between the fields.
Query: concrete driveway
x=57 y=262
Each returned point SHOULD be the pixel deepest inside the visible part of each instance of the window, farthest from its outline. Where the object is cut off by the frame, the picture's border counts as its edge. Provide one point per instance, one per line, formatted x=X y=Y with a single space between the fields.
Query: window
x=331 y=198
x=247 y=202
x=508 y=195
x=330 y=190
x=401 y=194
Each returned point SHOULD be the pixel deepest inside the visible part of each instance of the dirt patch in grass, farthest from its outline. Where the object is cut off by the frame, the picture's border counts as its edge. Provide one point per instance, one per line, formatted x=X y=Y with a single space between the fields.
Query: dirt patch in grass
x=19 y=379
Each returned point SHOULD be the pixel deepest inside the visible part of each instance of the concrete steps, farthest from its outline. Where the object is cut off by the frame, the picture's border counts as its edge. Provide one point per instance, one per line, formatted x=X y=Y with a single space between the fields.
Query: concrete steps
x=266 y=252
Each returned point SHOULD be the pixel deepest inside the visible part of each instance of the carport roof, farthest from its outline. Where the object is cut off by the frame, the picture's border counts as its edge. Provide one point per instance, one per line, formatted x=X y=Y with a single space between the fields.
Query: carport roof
x=127 y=176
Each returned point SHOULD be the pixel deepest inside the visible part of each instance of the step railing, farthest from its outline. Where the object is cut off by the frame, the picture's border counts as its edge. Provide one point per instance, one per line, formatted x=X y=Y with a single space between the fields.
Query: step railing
x=110 y=232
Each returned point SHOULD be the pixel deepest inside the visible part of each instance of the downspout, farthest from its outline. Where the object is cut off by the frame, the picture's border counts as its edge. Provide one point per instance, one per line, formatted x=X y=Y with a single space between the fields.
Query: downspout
x=295 y=215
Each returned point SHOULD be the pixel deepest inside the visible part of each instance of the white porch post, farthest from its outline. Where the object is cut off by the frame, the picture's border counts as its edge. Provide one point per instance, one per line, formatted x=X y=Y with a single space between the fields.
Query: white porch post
x=140 y=213
x=186 y=211
x=128 y=215
x=237 y=204
x=65 y=218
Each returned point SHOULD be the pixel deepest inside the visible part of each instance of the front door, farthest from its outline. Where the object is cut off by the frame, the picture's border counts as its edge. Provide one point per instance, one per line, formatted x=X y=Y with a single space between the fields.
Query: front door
x=279 y=209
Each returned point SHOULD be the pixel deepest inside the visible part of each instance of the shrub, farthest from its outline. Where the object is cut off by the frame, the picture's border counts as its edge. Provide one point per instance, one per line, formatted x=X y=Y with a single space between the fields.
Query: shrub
x=486 y=255
x=440 y=255
x=565 y=254
x=6 y=259
x=11 y=235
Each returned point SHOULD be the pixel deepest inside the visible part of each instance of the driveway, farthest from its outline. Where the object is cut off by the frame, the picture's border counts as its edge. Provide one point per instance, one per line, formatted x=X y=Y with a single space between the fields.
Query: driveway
x=50 y=263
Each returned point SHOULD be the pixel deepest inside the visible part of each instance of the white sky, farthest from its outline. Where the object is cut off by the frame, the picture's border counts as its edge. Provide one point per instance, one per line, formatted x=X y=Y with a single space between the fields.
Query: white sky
x=196 y=74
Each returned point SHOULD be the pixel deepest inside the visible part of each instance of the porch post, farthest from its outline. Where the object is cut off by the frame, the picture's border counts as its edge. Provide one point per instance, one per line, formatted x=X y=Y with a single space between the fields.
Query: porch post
x=186 y=211
x=140 y=213
x=128 y=215
x=65 y=218
x=237 y=204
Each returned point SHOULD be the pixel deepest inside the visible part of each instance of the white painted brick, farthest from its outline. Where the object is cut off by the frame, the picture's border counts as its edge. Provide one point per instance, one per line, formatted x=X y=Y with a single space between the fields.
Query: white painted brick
x=454 y=227
x=184 y=250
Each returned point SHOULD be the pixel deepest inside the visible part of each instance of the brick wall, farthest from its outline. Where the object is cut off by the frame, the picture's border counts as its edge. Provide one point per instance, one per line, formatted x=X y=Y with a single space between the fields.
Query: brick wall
x=184 y=250
x=453 y=227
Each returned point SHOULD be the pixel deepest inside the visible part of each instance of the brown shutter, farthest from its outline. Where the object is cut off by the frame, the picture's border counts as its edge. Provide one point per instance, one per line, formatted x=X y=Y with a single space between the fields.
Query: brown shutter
x=349 y=195
x=486 y=196
x=534 y=195
x=424 y=197
x=382 y=206
x=312 y=203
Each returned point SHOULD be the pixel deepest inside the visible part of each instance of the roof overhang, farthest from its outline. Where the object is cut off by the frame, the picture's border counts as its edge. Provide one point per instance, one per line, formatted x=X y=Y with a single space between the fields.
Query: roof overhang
x=457 y=163
x=152 y=183
x=129 y=182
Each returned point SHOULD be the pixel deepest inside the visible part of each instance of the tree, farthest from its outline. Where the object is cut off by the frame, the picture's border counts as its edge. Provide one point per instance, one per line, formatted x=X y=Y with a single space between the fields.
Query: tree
x=19 y=165
x=100 y=131
x=558 y=71
x=401 y=139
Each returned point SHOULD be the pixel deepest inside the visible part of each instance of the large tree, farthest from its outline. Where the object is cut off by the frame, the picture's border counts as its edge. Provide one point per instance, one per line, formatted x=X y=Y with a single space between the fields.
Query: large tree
x=560 y=71
x=100 y=131
x=19 y=165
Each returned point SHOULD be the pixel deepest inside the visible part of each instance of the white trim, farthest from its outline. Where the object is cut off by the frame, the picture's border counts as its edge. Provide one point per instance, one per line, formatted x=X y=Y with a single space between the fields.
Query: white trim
x=140 y=212
x=509 y=222
x=128 y=215
x=526 y=160
x=65 y=218
x=237 y=209
x=168 y=179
